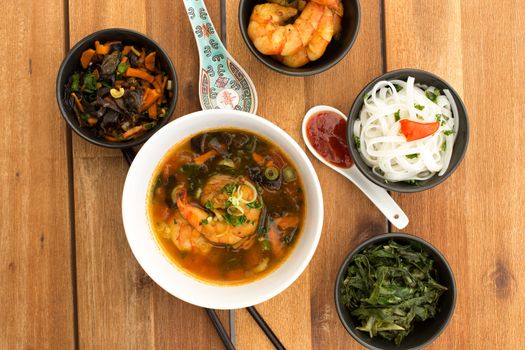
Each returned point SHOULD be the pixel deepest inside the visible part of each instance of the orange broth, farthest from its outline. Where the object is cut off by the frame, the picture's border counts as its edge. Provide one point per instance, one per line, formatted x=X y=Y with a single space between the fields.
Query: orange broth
x=241 y=155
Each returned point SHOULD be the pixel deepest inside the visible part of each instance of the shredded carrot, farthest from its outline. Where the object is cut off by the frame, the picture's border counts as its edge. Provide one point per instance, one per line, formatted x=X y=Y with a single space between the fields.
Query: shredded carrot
x=150 y=96
x=258 y=158
x=132 y=132
x=126 y=50
x=92 y=121
x=269 y=163
x=102 y=49
x=152 y=111
x=204 y=157
x=77 y=102
x=157 y=83
x=86 y=57
x=137 y=73
x=124 y=59
x=149 y=61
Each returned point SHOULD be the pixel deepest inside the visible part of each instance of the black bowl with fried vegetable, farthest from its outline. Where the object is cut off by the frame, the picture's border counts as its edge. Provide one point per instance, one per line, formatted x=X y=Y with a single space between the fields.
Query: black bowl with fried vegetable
x=116 y=87
x=395 y=291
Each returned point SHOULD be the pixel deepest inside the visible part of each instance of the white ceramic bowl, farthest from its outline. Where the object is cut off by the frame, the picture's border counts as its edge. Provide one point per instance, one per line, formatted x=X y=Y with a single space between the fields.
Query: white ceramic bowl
x=169 y=276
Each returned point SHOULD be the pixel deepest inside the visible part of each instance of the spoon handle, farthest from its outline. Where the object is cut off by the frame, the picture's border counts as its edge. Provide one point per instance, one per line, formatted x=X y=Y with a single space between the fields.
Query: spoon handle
x=380 y=197
x=208 y=42
x=223 y=83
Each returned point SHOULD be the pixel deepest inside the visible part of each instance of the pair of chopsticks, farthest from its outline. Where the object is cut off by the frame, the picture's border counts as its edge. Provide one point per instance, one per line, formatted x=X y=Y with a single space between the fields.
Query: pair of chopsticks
x=256 y=316
x=129 y=155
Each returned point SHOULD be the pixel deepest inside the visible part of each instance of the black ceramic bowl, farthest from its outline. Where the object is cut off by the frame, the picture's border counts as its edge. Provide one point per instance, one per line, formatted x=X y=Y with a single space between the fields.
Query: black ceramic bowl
x=72 y=63
x=460 y=145
x=424 y=332
x=335 y=52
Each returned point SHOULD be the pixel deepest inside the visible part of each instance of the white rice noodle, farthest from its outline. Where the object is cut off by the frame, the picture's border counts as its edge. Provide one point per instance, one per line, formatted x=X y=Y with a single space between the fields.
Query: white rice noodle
x=385 y=149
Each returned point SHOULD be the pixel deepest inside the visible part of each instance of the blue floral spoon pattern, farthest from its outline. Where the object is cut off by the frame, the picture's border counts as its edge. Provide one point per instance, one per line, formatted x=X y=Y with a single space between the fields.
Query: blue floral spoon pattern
x=223 y=84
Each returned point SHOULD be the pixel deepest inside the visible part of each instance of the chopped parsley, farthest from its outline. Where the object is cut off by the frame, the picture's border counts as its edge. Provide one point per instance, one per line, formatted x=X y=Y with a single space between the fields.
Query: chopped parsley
x=432 y=96
x=205 y=221
x=412 y=156
x=208 y=205
x=448 y=132
x=229 y=188
x=398 y=87
x=254 y=205
x=235 y=220
x=357 y=141
x=397 y=116
x=367 y=95
x=420 y=107
x=444 y=146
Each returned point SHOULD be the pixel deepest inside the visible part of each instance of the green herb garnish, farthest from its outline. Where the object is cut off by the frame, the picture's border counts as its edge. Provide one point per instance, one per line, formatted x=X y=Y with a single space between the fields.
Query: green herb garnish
x=204 y=222
x=75 y=82
x=90 y=83
x=209 y=205
x=419 y=107
x=412 y=156
x=235 y=220
x=357 y=141
x=254 y=205
x=397 y=116
x=389 y=287
x=431 y=95
x=448 y=132
x=122 y=68
x=229 y=188
x=444 y=146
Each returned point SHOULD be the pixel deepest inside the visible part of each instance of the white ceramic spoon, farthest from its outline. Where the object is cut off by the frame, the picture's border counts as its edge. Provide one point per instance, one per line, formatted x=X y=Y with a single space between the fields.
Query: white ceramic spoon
x=379 y=196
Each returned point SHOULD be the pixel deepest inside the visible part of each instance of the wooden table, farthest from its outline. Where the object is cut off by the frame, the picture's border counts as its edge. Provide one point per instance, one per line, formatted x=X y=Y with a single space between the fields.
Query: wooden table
x=67 y=276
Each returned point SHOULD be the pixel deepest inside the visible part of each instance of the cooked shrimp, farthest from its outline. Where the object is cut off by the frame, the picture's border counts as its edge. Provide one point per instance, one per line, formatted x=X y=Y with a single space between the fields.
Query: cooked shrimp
x=301 y=42
x=319 y=39
x=185 y=237
x=229 y=227
x=268 y=31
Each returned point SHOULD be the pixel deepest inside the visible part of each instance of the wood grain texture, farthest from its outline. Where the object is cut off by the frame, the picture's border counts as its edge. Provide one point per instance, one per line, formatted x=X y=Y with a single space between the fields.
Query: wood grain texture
x=119 y=306
x=35 y=277
x=476 y=217
x=304 y=315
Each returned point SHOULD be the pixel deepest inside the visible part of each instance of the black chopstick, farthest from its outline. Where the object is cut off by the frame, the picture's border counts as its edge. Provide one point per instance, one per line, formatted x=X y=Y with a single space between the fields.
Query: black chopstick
x=220 y=329
x=265 y=328
x=129 y=155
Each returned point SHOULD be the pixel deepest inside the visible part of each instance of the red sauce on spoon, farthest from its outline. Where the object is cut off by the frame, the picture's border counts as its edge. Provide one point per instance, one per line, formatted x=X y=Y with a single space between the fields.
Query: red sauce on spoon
x=326 y=132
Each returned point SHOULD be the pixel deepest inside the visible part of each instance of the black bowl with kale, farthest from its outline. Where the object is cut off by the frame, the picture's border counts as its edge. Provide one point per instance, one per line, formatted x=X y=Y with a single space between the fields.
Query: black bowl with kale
x=116 y=87
x=392 y=282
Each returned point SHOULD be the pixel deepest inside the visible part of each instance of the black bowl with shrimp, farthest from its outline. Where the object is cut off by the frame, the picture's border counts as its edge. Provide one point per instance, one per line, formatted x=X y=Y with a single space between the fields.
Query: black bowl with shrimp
x=299 y=37
x=116 y=87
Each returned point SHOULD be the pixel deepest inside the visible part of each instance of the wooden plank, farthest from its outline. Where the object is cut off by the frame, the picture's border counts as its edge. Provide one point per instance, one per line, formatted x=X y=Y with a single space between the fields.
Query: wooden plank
x=35 y=275
x=118 y=304
x=476 y=217
x=304 y=316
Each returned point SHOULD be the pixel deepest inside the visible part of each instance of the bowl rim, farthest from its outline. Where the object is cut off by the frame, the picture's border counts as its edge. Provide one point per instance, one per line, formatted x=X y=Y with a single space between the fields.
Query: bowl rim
x=147 y=257
x=281 y=68
x=378 y=238
x=67 y=61
x=356 y=155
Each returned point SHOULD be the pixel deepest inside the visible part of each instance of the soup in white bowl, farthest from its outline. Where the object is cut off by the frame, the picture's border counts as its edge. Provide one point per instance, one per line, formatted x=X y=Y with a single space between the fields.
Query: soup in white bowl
x=150 y=247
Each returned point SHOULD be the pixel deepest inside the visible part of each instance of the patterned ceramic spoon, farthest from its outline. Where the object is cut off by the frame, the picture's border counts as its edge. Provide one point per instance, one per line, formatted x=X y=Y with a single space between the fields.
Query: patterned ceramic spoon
x=222 y=82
